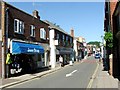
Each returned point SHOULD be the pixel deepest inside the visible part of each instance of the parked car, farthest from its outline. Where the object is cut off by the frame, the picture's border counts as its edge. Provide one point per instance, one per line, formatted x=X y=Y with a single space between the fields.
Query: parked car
x=97 y=56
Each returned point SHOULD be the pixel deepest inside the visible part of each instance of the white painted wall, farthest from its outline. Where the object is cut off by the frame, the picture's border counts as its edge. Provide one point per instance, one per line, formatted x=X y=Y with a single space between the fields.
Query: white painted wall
x=75 y=47
x=52 y=49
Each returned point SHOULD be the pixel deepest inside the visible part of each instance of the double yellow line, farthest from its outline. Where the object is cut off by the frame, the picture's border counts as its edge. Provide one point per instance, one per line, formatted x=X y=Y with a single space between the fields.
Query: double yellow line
x=93 y=76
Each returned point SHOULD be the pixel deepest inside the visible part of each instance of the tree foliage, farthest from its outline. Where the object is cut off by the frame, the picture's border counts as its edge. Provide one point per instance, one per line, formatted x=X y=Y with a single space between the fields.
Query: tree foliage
x=94 y=43
x=109 y=39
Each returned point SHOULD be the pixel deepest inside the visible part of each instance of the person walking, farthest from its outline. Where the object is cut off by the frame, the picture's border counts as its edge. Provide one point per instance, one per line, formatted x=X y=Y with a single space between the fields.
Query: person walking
x=61 y=61
x=8 y=63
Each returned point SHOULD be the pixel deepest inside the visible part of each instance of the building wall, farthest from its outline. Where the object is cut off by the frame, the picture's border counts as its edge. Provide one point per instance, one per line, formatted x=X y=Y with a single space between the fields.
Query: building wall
x=75 y=49
x=0 y=14
x=3 y=55
x=28 y=20
x=112 y=9
x=0 y=59
x=0 y=44
x=115 y=67
x=53 y=49
x=14 y=13
x=65 y=43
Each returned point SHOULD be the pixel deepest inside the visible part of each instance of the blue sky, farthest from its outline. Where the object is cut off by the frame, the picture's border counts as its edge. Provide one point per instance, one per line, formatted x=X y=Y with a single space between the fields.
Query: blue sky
x=87 y=18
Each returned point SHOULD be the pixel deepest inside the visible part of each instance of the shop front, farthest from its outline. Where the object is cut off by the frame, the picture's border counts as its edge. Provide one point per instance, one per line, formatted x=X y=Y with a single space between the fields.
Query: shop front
x=26 y=57
x=66 y=53
x=46 y=54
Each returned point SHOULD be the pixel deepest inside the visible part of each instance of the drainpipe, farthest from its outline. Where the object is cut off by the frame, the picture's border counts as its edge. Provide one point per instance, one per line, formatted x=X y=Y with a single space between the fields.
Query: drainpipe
x=6 y=41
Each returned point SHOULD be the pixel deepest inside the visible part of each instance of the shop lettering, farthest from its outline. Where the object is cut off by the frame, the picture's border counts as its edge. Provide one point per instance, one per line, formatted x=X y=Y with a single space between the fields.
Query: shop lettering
x=33 y=50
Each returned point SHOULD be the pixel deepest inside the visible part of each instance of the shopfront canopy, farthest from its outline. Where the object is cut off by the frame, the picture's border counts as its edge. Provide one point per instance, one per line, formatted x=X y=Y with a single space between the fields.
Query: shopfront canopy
x=20 y=47
x=64 y=51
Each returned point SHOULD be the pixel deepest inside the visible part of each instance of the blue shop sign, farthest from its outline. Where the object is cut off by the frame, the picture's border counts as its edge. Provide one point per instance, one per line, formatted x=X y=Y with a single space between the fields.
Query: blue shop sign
x=21 y=47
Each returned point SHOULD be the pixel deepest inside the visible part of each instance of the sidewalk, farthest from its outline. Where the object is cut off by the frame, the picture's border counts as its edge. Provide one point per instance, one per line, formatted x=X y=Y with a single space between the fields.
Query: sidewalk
x=103 y=80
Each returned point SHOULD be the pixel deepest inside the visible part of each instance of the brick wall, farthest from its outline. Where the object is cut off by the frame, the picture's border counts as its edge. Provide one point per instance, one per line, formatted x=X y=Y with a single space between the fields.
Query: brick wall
x=15 y=13
x=0 y=14
x=0 y=60
x=0 y=44
x=112 y=9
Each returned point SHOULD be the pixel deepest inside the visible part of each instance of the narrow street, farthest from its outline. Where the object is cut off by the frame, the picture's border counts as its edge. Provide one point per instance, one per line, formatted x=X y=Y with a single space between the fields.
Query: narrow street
x=76 y=76
x=60 y=44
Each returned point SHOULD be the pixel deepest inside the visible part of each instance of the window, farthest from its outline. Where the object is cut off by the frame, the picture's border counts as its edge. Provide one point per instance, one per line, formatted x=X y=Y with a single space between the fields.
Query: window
x=42 y=33
x=63 y=37
x=70 y=40
x=18 y=26
x=57 y=36
x=21 y=29
x=66 y=38
x=32 y=30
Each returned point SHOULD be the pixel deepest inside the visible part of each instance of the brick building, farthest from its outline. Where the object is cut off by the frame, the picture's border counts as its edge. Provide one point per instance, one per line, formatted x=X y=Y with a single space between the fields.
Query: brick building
x=0 y=44
x=116 y=36
x=25 y=35
x=112 y=62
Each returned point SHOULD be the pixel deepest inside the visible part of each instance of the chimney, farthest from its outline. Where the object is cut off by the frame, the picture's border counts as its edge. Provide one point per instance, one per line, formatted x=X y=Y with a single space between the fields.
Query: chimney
x=35 y=14
x=72 y=32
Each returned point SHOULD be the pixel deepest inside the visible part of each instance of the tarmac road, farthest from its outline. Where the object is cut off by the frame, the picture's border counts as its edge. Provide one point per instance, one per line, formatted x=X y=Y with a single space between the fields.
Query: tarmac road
x=76 y=76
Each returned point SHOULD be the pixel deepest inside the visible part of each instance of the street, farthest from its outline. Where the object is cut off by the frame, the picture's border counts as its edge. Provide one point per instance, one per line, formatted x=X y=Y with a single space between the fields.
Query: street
x=50 y=45
x=76 y=76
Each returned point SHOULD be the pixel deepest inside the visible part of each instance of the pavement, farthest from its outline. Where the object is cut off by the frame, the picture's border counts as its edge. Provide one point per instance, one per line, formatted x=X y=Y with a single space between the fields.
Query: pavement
x=100 y=79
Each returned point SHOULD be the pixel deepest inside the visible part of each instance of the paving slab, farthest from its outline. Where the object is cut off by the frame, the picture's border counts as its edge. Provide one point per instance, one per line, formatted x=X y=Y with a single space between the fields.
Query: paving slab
x=104 y=80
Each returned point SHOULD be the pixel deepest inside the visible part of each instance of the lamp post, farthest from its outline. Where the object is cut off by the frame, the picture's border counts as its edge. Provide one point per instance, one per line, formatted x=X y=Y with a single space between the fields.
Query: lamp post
x=6 y=41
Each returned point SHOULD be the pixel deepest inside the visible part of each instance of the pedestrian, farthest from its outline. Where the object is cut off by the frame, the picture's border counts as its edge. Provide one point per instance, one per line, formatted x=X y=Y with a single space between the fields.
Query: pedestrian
x=61 y=61
x=8 y=63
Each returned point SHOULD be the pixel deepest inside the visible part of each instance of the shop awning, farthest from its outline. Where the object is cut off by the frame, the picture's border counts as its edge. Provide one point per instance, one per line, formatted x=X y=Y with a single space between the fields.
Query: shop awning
x=60 y=51
x=20 y=47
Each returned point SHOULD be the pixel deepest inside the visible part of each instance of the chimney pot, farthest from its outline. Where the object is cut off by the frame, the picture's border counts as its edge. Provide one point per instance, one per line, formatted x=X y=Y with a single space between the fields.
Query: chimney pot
x=72 y=32
x=36 y=14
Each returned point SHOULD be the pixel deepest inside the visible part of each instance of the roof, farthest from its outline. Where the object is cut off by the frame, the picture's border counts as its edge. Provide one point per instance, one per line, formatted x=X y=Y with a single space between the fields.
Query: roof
x=6 y=3
x=56 y=27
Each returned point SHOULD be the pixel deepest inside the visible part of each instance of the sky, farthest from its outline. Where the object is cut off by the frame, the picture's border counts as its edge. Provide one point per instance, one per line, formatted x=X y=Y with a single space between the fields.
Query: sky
x=86 y=18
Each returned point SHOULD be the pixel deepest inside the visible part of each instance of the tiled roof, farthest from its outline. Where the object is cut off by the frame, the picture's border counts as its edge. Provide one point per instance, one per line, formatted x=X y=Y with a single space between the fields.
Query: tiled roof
x=56 y=27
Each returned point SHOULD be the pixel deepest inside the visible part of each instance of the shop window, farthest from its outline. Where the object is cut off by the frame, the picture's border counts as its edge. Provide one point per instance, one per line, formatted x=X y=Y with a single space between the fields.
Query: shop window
x=18 y=26
x=42 y=33
x=32 y=30
x=41 y=57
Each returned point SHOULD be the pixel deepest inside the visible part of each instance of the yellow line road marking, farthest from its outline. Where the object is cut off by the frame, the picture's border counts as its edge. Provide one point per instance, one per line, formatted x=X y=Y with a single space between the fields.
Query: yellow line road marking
x=93 y=76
